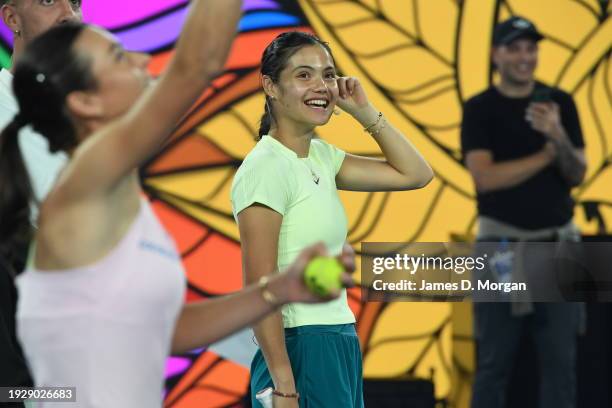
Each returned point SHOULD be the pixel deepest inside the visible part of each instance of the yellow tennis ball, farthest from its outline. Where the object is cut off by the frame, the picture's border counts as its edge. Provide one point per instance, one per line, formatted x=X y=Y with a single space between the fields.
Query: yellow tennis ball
x=323 y=275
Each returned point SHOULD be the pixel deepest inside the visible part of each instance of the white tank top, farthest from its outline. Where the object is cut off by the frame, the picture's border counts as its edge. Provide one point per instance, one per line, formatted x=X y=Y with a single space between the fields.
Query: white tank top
x=106 y=328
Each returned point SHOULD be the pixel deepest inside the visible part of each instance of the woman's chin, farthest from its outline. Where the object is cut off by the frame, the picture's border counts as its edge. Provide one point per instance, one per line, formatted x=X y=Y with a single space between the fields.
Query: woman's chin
x=321 y=119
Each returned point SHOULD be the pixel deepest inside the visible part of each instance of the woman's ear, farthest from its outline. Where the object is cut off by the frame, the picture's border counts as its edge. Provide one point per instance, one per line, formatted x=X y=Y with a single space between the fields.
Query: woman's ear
x=10 y=17
x=84 y=105
x=269 y=86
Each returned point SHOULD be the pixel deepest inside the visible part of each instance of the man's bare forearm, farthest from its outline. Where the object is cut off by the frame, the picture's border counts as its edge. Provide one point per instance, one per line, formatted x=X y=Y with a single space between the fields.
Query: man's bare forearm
x=507 y=174
x=570 y=161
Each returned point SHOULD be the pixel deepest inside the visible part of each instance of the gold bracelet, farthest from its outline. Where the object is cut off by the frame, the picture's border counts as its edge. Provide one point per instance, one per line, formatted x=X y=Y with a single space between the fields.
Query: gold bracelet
x=286 y=395
x=367 y=128
x=380 y=128
x=268 y=296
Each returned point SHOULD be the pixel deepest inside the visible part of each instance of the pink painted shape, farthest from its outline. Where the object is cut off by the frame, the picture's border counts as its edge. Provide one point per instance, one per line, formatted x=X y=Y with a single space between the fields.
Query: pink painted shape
x=116 y=13
x=176 y=365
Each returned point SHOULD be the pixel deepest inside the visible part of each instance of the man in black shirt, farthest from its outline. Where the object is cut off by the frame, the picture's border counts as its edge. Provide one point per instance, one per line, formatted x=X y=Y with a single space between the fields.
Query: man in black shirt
x=523 y=145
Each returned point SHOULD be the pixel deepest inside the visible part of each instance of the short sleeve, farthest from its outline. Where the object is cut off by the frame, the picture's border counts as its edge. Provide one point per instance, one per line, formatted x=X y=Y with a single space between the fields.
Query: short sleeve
x=571 y=121
x=261 y=182
x=332 y=153
x=338 y=158
x=474 y=133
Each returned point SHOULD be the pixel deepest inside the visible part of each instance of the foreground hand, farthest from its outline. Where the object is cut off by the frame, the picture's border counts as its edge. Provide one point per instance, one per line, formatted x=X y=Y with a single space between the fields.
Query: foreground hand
x=297 y=291
x=347 y=257
x=352 y=97
x=544 y=117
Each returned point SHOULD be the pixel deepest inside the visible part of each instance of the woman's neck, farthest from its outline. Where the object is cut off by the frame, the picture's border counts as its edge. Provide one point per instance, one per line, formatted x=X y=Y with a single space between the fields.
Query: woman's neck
x=83 y=131
x=294 y=137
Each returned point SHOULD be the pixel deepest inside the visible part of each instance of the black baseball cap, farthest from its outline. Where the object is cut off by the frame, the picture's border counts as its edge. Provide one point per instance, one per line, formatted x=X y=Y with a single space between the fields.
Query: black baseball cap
x=515 y=28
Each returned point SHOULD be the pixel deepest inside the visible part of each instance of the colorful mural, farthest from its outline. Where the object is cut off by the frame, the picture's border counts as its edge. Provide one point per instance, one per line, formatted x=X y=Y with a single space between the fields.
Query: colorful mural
x=419 y=60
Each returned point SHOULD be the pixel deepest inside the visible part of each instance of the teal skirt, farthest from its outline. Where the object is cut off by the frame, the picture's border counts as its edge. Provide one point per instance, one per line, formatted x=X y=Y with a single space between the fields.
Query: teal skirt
x=326 y=364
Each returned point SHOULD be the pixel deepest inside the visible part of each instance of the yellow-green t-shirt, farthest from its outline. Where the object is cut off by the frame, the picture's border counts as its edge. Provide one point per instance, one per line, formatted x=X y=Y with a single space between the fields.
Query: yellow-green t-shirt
x=303 y=191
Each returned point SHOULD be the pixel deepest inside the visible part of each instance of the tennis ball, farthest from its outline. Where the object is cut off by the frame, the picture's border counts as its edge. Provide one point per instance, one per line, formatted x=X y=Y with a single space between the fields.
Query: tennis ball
x=322 y=275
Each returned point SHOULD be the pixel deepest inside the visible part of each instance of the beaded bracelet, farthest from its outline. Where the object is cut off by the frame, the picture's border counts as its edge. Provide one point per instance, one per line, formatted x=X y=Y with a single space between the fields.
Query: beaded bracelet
x=286 y=395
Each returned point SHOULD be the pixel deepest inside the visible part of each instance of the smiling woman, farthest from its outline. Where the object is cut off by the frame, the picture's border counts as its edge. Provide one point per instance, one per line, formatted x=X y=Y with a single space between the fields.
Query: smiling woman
x=285 y=197
x=275 y=60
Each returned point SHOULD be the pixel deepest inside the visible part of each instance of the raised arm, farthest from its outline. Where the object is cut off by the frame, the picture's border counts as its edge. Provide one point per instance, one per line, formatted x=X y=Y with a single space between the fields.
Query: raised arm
x=403 y=167
x=123 y=145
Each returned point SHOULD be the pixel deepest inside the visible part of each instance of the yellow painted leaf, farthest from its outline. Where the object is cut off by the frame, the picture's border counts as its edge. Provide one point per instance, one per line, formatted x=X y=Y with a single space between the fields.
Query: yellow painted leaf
x=233 y=130
x=553 y=58
x=341 y=13
x=401 y=13
x=396 y=350
x=428 y=114
x=386 y=38
x=196 y=185
x=474 y=47
x=438 y=22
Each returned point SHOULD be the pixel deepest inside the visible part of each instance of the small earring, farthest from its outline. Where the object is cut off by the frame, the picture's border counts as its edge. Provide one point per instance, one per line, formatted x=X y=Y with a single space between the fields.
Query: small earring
x=17 y=33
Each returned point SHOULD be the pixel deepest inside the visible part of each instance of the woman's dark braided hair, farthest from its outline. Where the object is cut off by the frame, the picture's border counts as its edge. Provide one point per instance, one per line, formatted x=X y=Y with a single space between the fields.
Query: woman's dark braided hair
x=47 y=72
